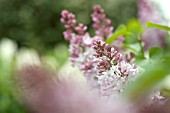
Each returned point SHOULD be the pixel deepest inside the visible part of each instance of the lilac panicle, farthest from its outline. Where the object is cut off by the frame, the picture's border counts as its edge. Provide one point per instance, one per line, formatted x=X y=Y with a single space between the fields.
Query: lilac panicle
x=113 y=71
x=101 y=24
x=68 y=19
x=80 y=43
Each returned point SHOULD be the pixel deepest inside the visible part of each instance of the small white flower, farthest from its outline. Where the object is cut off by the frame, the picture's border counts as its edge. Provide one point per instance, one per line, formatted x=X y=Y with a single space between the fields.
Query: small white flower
x=87 y=40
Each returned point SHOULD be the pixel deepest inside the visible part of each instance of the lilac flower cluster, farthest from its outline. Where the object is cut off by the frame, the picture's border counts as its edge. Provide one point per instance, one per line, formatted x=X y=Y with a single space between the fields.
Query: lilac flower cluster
x=80 y=43
x=68 y=19
x=100 y=62
x=101 y=24
x=113 y=71
x=94 y=56
x=107 y=55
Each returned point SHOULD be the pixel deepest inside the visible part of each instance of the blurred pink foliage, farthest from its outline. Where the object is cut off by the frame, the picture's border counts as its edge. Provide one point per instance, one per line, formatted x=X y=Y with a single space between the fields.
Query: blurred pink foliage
x=151 y=37
x=44 y=92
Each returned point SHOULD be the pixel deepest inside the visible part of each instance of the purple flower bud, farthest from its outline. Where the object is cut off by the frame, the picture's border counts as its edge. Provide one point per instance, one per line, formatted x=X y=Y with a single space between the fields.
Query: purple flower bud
x=108 y=56
x=81 y=29
x=68 y=34
x=68 y=19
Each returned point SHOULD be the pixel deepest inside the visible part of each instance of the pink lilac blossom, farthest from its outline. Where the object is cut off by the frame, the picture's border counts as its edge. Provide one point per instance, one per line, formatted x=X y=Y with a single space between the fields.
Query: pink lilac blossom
x=113 y=71
x=118 y=45
x=80 y=43
x=101 y=24
x=68 y=19
x=100 y=62
x=106 y=55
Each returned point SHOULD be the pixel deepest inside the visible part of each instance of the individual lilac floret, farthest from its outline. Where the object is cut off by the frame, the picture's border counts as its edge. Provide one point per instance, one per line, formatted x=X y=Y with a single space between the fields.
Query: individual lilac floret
x=101 y=24
x=68 y=34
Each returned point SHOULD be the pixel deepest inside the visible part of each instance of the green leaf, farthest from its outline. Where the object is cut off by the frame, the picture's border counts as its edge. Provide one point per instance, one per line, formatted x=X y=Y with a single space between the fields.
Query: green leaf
x=121 y=30
x=155 y=52
x=135 y=26
x=153 y=74
x=134 y=29
x=134 y=48
x=142 y=61
x=158 y=26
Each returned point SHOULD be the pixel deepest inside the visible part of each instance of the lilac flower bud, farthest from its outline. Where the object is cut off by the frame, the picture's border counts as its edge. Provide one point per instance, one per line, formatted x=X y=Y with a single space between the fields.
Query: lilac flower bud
x=68 y=34
x=98 y=9
x=103 y=51
x=81 y=29
x=104 y=64
x=68 y=19
x=99 y=47
x=87 y=67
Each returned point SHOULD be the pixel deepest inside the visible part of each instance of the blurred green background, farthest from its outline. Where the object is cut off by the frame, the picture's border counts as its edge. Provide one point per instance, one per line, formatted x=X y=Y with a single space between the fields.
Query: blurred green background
x=36 y=23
